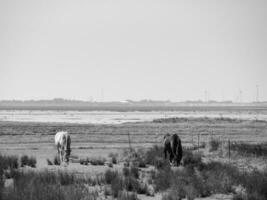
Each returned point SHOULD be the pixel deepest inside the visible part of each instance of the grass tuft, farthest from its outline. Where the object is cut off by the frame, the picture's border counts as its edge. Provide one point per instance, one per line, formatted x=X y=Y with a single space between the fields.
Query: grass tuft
x=214 y=144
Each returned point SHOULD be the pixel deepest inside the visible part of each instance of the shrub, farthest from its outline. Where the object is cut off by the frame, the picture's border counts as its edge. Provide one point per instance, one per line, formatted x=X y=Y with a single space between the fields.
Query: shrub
x=200 y=180
x=220 y=177
x=138 y=162
x=163 y=179
x=143 y=189
x=114 y=160
x=161 y=163
x=139 y=158
x=214 y=144
x=256 y=183
x=117 y=185
x=56 y=160
x=126 y=171
x=142 y=163
x=8 y=162
x=131 y=184
x=123 y=195
x=49 y=162
x=110 y=175
x=93 y=180
x=107 y=191
x=24 y=160
x=197 y=182
x=128 y=182
x=173 y=194
x=32 y=162
x=250 y=149
x=66 y=178
x=186 y=183
x=192 y=160
x=134 y=172
x=97 y=161
x=84 y=161
x=113 y=157
x=27 y=161
x=153 y=154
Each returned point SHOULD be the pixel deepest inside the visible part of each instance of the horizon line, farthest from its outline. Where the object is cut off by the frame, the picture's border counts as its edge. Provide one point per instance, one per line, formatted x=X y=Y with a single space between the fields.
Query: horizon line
x=140 y=100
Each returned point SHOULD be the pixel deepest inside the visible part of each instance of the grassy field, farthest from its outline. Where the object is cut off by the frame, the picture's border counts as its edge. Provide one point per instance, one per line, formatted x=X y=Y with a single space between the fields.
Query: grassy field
x=37 y=139
x=92 y=145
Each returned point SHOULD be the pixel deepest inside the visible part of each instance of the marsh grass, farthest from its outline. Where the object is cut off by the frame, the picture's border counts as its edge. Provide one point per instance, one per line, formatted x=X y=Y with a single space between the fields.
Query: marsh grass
x=25 y=160
x=47 y=185
x=250 y=149
x=9 y=162
x=199 y=179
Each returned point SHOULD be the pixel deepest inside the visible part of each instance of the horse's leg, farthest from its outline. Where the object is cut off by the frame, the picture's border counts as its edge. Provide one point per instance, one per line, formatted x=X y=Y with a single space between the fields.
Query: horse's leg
x=171 y=156
x=165 y=153
x=179 y=153
x=61 y=156
x=58 y=153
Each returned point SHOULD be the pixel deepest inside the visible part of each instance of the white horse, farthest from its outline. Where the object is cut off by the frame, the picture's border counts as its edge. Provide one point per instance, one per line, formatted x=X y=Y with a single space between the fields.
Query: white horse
x=62 y=141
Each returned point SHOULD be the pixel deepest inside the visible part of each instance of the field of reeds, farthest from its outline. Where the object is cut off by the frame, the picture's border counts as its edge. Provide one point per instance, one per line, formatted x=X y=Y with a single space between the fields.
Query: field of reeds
x=194 y=179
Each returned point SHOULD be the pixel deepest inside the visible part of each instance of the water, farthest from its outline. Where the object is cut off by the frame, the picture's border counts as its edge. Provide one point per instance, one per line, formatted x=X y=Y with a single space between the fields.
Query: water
x=104 y=117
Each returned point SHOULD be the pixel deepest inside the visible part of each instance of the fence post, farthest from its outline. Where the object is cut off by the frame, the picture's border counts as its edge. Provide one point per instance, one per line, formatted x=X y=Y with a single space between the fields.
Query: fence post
x=192 y=139
x=129 y=140
x=198 y=142
x=229 y=149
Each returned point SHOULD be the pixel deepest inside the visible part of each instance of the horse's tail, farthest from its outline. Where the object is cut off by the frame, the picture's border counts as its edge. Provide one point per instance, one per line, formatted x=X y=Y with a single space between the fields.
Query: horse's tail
x=68 y=143
x=179 y=151
x=175 y=143
x=177 y=148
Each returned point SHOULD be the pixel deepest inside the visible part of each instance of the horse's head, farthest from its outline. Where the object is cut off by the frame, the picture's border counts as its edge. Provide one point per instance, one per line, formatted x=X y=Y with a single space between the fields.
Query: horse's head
x=166 y=138
x=67 y=149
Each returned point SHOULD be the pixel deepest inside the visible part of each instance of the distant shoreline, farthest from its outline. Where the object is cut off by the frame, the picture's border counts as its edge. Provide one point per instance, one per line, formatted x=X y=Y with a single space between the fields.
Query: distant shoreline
x=170 y=120
x=129 y=108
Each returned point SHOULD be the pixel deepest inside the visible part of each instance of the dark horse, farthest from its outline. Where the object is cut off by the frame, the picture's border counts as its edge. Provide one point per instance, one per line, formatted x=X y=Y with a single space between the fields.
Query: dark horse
x=173 y=146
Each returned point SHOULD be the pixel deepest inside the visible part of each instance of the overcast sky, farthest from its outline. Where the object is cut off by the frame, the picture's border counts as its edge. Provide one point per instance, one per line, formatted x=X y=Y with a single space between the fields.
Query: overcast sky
x=147 y=49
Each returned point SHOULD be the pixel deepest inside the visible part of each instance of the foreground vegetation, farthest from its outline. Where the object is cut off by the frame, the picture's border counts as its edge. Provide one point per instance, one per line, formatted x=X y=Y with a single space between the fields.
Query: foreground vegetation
x=194 y=179
x=199 y=179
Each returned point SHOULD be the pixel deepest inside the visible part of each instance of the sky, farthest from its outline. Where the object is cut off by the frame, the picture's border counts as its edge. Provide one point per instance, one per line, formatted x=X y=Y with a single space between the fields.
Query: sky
x=113 y=50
